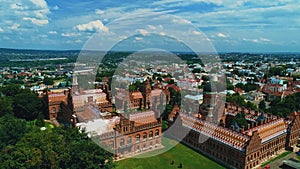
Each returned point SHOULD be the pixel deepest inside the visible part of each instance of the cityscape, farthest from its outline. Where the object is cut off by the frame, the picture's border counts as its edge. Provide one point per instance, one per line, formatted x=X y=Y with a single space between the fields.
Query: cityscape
x=165 y=84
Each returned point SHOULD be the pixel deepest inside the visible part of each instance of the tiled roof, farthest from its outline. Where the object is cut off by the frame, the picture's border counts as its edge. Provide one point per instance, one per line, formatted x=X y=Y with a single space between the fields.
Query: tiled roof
x=137 y=95
x=224 y=135
x=269 y=130
x=143 y=118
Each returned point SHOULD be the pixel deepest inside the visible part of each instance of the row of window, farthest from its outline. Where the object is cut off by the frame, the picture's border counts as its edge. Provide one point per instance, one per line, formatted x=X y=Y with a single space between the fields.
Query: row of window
x=137 y=137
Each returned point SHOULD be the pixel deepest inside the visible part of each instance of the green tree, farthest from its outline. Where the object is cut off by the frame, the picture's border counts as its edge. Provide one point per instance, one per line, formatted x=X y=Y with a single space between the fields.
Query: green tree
x=11 y=130
x=48 y=81
x=262 y=105
x=27 y=105
x=55 y=148
x=240 y=120
x=5 y=106
x=11 y=90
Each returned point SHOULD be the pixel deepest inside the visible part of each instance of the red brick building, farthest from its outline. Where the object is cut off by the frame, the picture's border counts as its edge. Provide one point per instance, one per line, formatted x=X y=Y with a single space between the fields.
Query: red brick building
x=243 y=148
x=133 y=134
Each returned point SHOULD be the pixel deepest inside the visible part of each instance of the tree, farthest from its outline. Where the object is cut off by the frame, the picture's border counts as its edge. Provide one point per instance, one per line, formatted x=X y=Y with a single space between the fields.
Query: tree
x=240 y=120
x=11 y=130
x=205 y=78
x=55 y=148
x=262 y=105
x=48 y=81
x=285 y=106
x=279 y=70
x=5 y=106
x=27 y=105
x=175 y=97
x=132 y=88
x=40 y=120
x=11 y=90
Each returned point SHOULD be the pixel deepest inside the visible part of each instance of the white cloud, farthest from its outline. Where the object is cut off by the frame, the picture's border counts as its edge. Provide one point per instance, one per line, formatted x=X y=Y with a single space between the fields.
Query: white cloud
x=55 y=8
x=39 y=14
x=260 y=40
x=1 y=30
x=78 y=41
x=151 y=27
x=143 y=32
x=40 y=3
x=15 y=26
x=122 y=37
x=138 y=38
x=92 y=26
x=181 y=21
x=162 y=33
x=18 y=6
x=221 y=35
x=52 y=32
x=99 y=11
x=196 y=32
x=265 y=40
x=36 y=21
x=70 y=34
x=251 y=40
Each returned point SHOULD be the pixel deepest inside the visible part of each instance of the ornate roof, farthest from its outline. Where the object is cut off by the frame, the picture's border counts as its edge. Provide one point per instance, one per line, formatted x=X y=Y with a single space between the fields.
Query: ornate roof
x=224 y=135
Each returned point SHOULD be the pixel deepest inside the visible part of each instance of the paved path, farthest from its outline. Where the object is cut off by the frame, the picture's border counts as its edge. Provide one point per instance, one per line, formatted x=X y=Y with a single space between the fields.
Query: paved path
x=277 y=164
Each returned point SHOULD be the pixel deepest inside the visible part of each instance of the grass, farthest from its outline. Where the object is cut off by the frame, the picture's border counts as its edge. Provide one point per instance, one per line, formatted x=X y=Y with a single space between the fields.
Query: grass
x=276 y=158
x=189 y=158
x=33 y=123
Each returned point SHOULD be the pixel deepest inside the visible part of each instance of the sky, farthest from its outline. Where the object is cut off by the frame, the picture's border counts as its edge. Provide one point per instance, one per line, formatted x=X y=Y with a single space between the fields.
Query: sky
x=205 y=25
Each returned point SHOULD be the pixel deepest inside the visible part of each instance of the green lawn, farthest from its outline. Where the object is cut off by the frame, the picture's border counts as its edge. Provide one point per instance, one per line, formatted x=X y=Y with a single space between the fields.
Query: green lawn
x=276 y=158
x=180 y=154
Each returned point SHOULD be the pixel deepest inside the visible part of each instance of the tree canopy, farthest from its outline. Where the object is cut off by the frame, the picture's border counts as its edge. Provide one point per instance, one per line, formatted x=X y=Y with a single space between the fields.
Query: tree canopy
x=285 y=106
x=55 y=148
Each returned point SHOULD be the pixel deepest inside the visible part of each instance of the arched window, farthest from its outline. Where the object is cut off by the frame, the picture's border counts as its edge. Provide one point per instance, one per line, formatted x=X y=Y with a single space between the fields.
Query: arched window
x=156 y=133
x=122 y=142
x=53 y=110
x=144 y=136
x=137 y=138
x=151 y=134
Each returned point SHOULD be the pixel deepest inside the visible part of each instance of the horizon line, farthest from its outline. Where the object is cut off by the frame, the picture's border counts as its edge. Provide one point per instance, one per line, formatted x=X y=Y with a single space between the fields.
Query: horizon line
x=223 y=52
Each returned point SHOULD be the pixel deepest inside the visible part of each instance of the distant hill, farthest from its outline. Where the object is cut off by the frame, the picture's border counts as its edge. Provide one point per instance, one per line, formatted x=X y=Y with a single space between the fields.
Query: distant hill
x=18 y=54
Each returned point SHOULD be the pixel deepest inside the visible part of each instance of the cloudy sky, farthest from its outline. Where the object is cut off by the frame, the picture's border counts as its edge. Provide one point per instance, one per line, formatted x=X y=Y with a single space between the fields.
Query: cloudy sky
x=228 y=25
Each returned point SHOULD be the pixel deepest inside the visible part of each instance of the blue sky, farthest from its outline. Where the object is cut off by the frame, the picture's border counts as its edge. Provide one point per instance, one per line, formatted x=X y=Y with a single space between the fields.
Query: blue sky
x=222 y=25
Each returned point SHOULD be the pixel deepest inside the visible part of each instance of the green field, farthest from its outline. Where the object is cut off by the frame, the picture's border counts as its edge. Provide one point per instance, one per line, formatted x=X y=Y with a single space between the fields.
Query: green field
x=189 y=158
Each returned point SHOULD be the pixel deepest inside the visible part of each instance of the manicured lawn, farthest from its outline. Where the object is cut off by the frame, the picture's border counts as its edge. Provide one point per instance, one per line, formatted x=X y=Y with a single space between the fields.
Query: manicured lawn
x=276 y=158
x=179 y=154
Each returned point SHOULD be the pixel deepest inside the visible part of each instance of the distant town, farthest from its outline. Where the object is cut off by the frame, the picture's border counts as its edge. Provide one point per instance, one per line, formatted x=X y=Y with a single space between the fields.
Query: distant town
x=242 y=104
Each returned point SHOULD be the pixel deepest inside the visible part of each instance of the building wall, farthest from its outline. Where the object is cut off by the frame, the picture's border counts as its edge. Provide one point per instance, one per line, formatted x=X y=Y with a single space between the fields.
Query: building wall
x=216 y=150
x=128 y=139
x=255 y=151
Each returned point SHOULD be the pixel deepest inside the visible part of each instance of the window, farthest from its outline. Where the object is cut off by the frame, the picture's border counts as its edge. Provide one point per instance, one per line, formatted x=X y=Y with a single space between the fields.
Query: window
x=129 y=140
x=90 y=99
x=156 y=133
x=137 y=138
x=53 y=110
x=122 y=142
x=151 y=134
x=125 y=129
x=144 y=136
